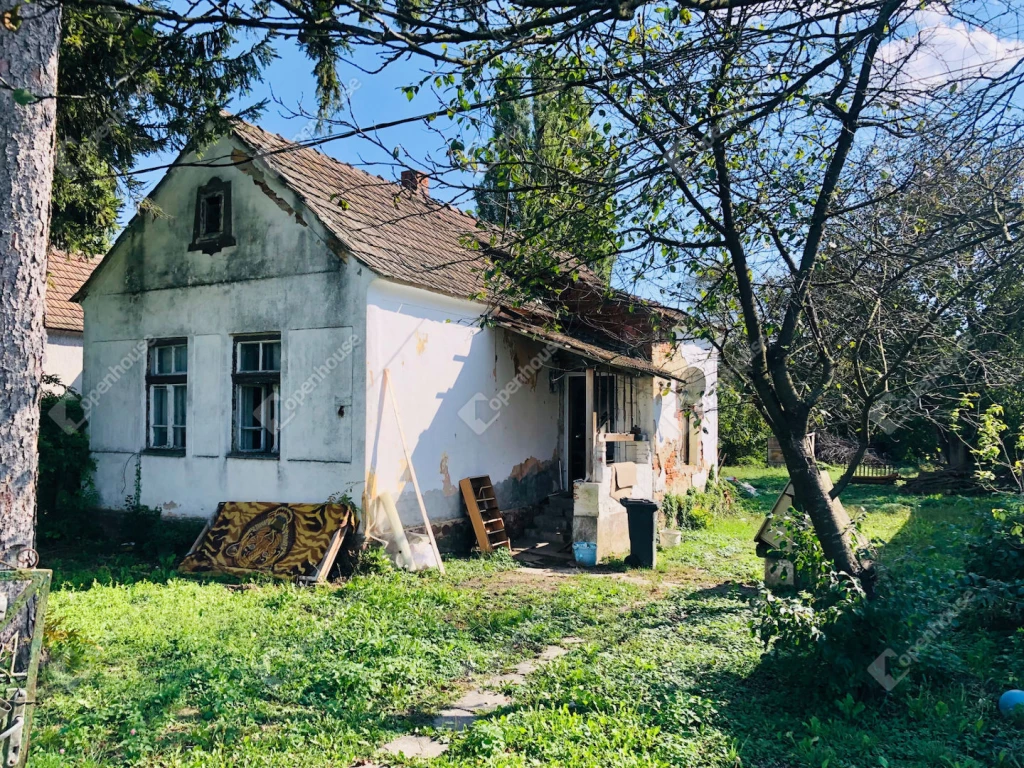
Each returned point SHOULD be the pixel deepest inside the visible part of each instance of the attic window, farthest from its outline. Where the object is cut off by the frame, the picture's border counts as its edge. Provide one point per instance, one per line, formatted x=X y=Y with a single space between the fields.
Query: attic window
x=212 y=230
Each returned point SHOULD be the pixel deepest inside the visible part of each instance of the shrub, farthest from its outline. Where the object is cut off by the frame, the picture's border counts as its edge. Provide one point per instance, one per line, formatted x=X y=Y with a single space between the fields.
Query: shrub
x=828 y=633
x=994 y=570
x=64 y=490
x=742 y=432
x=694 y=509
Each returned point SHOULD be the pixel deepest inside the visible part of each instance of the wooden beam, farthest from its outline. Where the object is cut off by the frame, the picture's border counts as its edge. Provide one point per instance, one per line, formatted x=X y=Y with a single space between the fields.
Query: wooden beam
x=412 y=471
x=591 y=424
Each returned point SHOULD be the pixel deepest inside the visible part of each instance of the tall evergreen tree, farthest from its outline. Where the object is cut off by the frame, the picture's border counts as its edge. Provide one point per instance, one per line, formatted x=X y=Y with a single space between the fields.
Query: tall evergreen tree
x=545 y=149
x=128 y=87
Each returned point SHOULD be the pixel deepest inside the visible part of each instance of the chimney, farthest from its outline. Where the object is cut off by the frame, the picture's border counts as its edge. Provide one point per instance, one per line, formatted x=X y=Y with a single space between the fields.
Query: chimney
x=416 y=180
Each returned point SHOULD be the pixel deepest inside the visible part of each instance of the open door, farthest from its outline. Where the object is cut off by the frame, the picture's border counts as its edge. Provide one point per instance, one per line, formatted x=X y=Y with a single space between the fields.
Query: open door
x=576 y=428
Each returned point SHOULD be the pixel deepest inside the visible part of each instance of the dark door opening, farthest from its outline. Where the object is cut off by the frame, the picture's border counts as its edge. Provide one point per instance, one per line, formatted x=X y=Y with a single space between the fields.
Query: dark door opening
x=577 y=425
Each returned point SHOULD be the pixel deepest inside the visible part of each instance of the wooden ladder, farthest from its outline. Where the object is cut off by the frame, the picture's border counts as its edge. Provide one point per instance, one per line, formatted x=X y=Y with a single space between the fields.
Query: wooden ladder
x=483 y=511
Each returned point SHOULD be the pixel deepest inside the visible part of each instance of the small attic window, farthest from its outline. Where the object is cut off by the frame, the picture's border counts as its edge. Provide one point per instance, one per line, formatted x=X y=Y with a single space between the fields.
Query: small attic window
x=212 y=229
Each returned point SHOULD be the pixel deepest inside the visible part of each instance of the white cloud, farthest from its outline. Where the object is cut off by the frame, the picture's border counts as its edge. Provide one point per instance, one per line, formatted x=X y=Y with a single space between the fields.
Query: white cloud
x=941 y=49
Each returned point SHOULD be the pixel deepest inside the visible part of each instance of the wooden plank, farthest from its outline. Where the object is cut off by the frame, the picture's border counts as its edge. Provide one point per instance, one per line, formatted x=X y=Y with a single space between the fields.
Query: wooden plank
x=329 y=557
x=469 y=496
x=412 y=472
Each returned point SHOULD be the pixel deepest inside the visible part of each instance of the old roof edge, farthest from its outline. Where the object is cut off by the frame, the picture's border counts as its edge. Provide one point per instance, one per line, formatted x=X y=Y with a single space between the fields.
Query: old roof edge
x=585 y=349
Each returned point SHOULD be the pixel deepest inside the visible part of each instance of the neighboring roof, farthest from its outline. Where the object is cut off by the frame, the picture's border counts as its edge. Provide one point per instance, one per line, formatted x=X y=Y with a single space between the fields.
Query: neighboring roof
x=65 y=274
x=399 y=233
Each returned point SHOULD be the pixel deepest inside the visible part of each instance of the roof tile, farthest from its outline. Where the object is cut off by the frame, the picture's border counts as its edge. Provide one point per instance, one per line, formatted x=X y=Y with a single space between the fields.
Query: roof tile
x=65 y=274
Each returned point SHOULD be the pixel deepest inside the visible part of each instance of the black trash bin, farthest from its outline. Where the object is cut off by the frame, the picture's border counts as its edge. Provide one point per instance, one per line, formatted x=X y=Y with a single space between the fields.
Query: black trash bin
x=643 y=531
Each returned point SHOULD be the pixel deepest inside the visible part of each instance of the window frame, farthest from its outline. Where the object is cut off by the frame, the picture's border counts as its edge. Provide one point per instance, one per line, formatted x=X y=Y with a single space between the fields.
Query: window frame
x=210 y=243
x=265 y=378
x=171 y=382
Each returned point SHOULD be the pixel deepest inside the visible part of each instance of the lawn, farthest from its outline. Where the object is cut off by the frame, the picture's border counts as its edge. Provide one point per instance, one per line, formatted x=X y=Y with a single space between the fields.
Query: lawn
x=149 y=669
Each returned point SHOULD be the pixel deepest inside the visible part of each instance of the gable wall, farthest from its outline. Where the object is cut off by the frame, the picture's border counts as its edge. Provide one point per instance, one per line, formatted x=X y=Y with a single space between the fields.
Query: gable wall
x=281 y=276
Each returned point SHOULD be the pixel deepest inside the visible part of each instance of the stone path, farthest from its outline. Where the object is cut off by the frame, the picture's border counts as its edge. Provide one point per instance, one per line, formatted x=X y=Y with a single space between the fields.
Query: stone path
x=474 y=704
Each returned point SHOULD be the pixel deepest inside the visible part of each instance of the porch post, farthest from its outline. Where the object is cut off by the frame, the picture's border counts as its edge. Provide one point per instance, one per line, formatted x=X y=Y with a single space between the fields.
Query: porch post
x=590 y=424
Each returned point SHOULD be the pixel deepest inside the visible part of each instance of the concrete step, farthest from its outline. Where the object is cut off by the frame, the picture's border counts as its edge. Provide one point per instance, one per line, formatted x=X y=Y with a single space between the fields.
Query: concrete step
x=553 y=537
x=548 y=522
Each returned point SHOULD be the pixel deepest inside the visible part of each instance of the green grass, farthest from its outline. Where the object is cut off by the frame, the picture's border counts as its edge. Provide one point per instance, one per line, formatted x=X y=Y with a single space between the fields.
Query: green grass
x=150 y=669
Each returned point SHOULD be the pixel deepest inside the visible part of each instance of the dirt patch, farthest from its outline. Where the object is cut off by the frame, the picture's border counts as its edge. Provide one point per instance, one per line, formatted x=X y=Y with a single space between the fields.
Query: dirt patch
x=517 y=579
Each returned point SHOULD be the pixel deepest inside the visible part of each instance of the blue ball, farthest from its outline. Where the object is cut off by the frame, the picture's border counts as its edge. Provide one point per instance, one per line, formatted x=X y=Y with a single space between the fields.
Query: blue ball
x=1012 y=703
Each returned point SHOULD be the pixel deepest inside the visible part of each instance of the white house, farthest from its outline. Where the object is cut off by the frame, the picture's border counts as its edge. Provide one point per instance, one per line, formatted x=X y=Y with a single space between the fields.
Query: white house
x=66 y=272
x=236 y=341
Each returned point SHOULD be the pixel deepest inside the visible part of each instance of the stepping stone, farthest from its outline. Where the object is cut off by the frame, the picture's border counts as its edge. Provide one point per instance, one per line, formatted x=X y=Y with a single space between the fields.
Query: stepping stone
x=467 y=709
x=454 y=719
x=526 y=667
x=481 y=701
x=500 y=681
x=551 y=653
x=415 y=746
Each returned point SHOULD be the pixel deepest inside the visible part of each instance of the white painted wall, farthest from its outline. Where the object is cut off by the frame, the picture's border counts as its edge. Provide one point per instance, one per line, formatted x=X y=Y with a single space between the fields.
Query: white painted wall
x=63 y=357
x=282 y=277
x=441 y=360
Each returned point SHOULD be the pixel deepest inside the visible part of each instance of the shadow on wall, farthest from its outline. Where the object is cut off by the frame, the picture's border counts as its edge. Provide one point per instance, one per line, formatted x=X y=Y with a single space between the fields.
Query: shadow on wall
x=450 y=449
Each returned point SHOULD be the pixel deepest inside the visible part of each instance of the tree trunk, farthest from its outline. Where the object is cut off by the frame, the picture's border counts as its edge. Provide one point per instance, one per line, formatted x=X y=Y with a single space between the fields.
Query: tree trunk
x=812 y=498
x=29 y=36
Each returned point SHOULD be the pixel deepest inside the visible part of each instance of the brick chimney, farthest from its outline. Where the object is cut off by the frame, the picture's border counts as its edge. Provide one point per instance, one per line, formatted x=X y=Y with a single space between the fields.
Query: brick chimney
x=416 y=181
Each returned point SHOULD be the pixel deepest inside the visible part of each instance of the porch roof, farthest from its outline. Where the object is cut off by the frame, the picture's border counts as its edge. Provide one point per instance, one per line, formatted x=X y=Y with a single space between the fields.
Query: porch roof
x=533 y=326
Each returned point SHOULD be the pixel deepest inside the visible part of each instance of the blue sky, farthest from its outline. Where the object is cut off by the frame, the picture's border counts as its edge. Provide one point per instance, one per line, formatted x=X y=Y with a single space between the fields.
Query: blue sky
x=375 y=98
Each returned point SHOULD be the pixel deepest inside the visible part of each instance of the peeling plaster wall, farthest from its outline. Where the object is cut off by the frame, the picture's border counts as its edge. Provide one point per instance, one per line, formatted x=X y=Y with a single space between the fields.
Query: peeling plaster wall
x=283 y=275
x=671 y=474
x=63 y=357
x=445 y=370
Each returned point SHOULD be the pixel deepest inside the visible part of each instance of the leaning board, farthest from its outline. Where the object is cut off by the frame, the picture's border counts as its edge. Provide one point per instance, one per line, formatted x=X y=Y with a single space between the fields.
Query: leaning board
x=286 y=541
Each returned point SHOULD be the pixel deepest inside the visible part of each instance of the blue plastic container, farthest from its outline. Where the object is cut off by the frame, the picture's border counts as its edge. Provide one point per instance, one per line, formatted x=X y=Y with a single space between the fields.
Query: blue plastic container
x=1011 y=703
x=585 y=553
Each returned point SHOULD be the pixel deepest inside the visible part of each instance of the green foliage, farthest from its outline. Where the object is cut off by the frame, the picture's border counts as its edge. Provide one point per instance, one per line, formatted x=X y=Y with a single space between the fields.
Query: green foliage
x=994 y=570
x=547 y=171
x=132 y=87
x=64 y=490
x=822 y=629
x=695 y=510
x=998 y=448
x=742 y=431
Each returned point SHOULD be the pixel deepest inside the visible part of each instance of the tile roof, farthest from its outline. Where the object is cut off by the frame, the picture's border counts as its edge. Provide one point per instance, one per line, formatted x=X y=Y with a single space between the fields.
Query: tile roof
x=399 y=233
x=65 y=274
x=404 y=235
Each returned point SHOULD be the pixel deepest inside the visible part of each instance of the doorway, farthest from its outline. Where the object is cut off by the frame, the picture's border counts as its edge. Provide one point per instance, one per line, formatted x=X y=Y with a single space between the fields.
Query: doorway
x=576 y=432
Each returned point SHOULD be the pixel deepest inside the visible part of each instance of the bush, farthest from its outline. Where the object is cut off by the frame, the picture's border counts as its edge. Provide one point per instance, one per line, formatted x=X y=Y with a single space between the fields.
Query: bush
x=994 y=570
x=827 y=633
x=742 y=432
x=64 y=490
x=694 y=509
